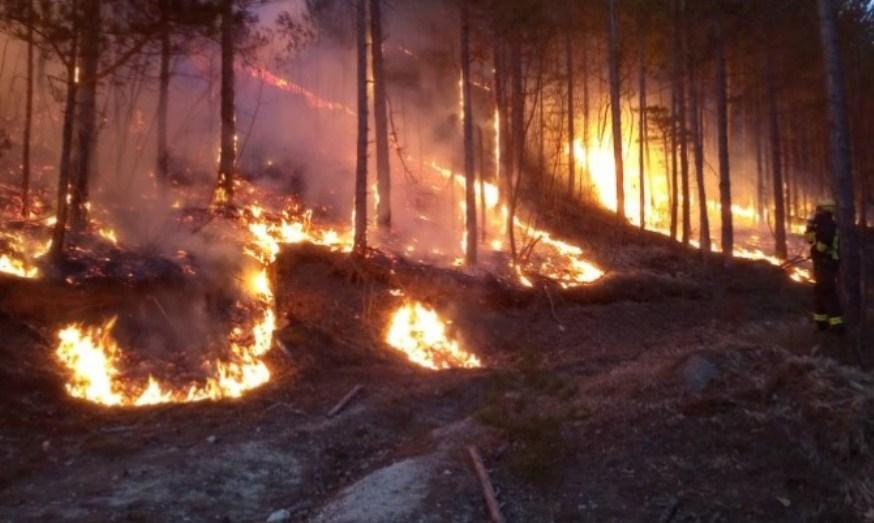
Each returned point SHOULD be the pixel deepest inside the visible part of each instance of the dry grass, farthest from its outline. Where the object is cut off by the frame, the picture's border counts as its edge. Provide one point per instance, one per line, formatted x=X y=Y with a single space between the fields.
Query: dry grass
x=530 y=405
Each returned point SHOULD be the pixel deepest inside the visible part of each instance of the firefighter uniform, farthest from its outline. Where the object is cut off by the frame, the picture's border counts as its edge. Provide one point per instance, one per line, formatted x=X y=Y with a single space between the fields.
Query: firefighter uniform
x=822 y=235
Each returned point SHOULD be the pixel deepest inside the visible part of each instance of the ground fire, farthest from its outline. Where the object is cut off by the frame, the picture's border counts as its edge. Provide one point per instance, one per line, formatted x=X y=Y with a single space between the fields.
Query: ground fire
x=369 y=261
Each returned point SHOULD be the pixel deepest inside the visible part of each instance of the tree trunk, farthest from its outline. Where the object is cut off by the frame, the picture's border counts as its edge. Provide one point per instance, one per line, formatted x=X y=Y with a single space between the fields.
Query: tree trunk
x=698 y=145
x=586 y=142
x=163 y=163
x=722 y=133
x=776 y=162
x=680 y=39
x=760 y=174
x=840 y=156
x=62 y=210
x=28 y=118
x=228 y=155
x=380 y=118
x=87 y=115
x=505 y=160
x=541 y=134
x=571 y=154
x=469 y=153
x=360 y=242
x=675 y=172
x=666 y=147
x=616 y=111
x=482 y=183
x=518 y=145
x=642 y=122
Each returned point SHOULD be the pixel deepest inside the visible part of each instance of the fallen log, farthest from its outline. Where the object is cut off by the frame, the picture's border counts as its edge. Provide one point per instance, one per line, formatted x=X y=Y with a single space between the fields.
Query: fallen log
x=486 y=484
x=346 y=399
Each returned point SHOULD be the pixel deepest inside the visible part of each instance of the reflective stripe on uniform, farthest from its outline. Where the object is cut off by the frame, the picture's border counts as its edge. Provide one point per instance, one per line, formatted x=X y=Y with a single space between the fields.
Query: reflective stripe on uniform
x=820 y=317
x=835 y=321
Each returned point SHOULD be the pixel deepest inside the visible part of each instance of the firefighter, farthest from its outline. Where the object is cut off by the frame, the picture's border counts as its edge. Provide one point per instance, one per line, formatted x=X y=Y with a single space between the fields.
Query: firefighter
x=822 y=235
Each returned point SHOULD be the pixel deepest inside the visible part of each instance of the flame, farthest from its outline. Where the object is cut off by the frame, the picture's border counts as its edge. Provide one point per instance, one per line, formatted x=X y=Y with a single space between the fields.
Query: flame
x=10 y=265
x=108 y=234
x=798 y=274
x=601 y=172
x=92 y=354
x=270 y=233
x=312 y=99
x=561 y=261
x=420 y=334
x=92 y=357
x=23 y=250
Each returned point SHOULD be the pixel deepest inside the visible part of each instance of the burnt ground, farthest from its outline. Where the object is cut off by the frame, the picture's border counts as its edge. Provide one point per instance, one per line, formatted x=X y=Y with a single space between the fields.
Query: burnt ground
x=673 y=390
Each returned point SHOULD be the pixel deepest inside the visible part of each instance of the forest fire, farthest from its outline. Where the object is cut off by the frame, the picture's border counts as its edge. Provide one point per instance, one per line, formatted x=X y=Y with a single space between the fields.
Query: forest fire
x=420 y=334
x=303 y=260
x=18 y=268
x=270 y=231
x=558 y=260
x=600 y=168
x=94 y=361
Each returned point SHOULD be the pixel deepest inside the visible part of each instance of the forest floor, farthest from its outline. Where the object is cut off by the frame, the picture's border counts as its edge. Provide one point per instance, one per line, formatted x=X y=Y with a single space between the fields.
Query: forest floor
x=673 y=390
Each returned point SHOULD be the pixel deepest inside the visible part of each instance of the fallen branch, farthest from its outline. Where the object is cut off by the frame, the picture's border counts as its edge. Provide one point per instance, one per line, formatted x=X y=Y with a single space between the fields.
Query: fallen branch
x=552 y=308
x=161 y=309
x=287 y=406
x=346 y=399
x=488 y=491
x=284 y=349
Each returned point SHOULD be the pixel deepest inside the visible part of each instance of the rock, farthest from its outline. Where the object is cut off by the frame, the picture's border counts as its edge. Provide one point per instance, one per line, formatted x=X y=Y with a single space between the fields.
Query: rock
x=279 y=515
x=697 y=373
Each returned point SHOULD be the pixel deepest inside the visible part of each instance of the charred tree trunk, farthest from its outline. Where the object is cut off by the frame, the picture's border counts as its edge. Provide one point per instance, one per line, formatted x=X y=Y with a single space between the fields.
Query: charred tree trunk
x=776 y=162
x=380 y=118
x=571 y=154
x=163 y=162
x=675 y=172
x=722 y=132
x=760 y=173
x=615 y=102
x=518 y=145
x=505 y=161
x=842 y=180
x=666 y=147
x=469 y=153
x=482 y=183
x=228 y=154
x=681 y=47
x=360 y=241
x=28 y=117
x=642 y=122
x=586 y=121
x=62 y=210
x=87 y=114
x=698 y=149
x=541 y=134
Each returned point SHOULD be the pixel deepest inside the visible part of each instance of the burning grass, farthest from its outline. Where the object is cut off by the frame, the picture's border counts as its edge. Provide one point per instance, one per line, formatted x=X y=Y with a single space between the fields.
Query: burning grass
x=420 y=334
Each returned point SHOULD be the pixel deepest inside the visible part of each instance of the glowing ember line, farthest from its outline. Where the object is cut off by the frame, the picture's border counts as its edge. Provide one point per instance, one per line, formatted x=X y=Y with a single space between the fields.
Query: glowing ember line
x=312 y=99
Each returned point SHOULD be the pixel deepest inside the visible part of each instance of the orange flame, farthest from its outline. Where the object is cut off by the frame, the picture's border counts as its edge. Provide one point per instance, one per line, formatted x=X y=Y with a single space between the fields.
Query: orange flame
x=420 y=334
